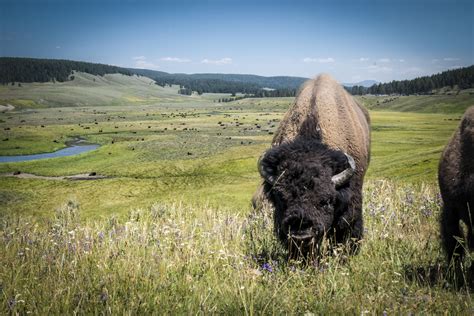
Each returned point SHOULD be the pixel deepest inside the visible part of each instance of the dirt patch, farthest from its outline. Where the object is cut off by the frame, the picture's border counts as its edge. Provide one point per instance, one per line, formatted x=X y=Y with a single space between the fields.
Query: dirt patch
x=81 y=176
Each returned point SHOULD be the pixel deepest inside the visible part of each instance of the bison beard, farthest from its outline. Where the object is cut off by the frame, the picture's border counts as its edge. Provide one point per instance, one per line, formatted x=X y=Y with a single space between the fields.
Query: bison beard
x=313 y=195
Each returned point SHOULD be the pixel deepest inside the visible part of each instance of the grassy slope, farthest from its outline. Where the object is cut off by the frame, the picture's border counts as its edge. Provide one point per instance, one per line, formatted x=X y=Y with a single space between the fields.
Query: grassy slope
x=186 y=216
x=440 y=103
x=89 y=90
x=146 y=149
x=175 y=259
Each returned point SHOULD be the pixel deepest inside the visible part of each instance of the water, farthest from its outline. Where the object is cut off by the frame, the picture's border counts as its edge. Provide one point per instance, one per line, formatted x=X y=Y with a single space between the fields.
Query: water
x=69 y=151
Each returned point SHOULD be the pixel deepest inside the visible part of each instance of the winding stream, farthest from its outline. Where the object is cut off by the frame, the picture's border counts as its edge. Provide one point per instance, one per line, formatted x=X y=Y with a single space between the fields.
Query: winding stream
x=74 y=148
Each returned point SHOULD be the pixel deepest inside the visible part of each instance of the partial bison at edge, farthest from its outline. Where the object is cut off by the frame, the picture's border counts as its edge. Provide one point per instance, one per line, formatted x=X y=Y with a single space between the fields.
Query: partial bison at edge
x=314 y=172
x=456 y=182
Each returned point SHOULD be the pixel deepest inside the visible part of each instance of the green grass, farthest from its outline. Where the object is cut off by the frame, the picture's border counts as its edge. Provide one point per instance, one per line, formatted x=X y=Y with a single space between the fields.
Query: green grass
x=439 y=103
x=172 y=230
x=90 y=90
x=175 y=259
x=209 y=159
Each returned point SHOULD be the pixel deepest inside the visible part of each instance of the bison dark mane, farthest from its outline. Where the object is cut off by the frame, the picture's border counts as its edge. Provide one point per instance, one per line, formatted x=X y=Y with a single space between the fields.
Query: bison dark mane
x=299 y=169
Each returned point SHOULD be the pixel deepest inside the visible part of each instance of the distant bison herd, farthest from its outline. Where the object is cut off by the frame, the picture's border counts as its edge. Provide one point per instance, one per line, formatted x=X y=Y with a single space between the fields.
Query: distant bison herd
x=314 y=171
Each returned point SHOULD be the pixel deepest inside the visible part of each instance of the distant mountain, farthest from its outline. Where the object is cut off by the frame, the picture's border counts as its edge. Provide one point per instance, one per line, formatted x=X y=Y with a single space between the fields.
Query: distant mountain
x=14 y=69
x=23 y=70
x=274 y=82
x=365 y=83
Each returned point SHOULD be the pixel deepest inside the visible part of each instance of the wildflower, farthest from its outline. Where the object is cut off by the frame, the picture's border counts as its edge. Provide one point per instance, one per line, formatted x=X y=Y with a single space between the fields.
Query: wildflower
x=104 y=297
x=11 y=303
x=372 y=210
x=101 y=236
x=426 y=211
x=267 y=267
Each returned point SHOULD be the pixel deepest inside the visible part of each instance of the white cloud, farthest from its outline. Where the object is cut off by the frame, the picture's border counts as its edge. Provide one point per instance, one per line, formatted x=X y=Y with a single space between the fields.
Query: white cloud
x=435 y=60
x=450 y=59
x=363 y=59
x=319 y=60
x=142 y=63
x=411 y=70
x=176 y=59
x=384 y=60
x=401 y=60
x=376 y=69
x=222 y=61
x=58 y=47
x=455 y=67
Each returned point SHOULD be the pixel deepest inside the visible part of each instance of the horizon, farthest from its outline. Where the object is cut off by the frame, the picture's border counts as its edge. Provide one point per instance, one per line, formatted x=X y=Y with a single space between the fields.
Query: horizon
x=367 y=40
x=243 y=74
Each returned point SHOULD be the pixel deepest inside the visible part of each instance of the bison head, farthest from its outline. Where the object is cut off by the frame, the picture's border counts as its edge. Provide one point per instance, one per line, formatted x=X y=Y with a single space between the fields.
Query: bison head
x=305 y=181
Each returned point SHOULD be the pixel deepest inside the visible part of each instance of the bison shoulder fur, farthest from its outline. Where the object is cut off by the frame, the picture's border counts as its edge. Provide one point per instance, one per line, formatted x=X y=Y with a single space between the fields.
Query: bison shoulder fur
x=456 y=181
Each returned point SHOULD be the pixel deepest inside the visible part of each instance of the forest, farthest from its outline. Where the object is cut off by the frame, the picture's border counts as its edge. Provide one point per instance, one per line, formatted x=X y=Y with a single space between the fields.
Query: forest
x=461 y=77
x=14 y=69
x=44 y=70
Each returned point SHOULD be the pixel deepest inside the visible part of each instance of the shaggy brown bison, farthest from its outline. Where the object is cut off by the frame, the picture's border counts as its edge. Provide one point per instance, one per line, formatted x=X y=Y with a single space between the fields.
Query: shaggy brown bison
x=456 y=182
x=313 y=173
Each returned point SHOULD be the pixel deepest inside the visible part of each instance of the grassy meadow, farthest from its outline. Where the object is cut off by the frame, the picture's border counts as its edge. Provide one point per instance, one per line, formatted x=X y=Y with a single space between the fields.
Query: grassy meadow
x=171 y=230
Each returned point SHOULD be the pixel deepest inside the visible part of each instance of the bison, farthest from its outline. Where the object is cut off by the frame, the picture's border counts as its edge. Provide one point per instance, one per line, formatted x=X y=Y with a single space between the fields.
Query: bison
x=313 y=174
x=456 y=182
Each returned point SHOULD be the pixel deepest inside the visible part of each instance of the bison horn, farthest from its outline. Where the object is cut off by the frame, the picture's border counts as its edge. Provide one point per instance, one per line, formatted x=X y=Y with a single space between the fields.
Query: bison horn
x=342 y=177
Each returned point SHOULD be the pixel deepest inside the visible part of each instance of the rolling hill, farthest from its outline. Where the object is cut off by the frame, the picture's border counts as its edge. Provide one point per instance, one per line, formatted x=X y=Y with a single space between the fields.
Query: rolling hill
x=13 y=69
x=275 y=82
x=87 y=90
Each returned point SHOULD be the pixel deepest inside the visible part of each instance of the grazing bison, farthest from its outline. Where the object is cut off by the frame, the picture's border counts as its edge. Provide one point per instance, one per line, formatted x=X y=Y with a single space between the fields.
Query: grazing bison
x=313 y=173
x=456 y=182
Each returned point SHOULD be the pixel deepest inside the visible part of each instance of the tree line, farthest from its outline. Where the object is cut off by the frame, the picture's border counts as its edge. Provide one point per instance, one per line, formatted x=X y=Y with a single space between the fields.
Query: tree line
x=13 y=69
x=200 y=86
x=16 y=69
x=462 y=77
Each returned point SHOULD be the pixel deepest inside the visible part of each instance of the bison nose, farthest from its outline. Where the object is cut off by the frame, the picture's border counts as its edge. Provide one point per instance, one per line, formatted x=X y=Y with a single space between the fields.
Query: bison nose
x=298 y=227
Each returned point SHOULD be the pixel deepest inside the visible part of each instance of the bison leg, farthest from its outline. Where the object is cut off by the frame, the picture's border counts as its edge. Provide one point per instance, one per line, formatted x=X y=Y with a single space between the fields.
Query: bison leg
x=450 y=233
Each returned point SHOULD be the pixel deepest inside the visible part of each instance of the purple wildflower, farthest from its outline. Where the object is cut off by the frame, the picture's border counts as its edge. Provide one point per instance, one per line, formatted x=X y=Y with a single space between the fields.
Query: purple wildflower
x=267 y=267
x=104 y=297
x=101 y=236
x=426 y=211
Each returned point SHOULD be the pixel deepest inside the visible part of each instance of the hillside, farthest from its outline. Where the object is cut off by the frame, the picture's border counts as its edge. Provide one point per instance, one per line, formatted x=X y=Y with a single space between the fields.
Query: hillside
x=461 y=78
x=438 y=103
x=275 y=82
x=14 y=69
x=87 y=89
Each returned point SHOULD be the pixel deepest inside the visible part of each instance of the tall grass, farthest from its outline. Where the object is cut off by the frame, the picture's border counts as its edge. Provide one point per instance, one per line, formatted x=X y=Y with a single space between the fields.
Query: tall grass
x=178 y=259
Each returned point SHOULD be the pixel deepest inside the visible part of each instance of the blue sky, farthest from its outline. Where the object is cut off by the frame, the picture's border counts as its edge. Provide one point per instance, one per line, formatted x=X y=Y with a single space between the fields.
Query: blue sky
x=353 y=40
